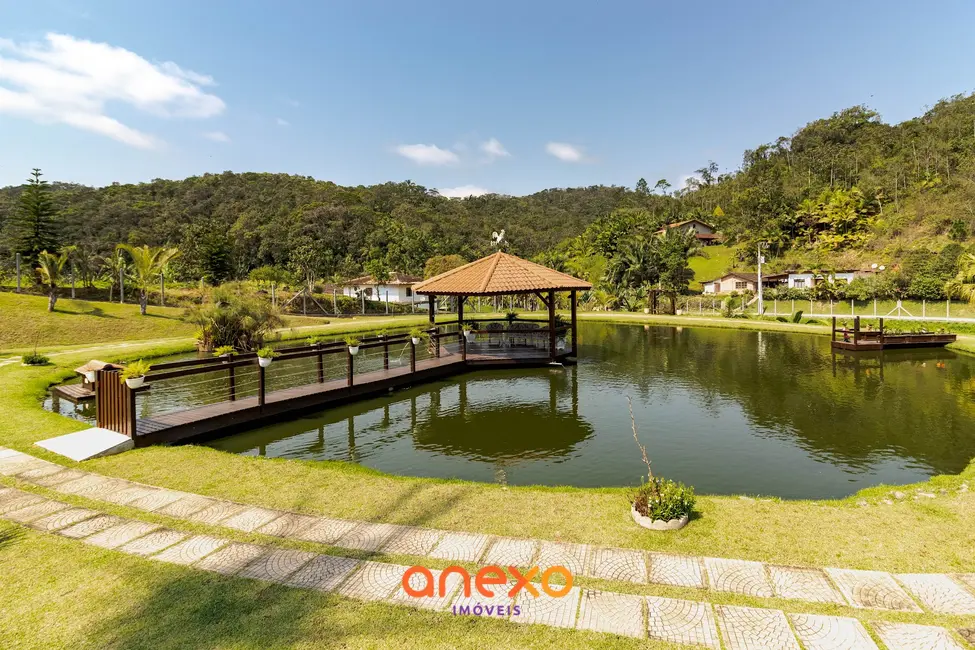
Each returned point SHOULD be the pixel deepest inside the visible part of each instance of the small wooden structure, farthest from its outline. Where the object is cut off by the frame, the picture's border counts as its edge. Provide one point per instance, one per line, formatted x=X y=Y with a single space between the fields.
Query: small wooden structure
x=85 y=391
x=860 y=340
x=504 y=274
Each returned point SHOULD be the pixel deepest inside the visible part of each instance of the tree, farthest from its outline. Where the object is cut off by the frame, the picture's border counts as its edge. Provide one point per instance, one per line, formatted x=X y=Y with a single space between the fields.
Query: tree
x=642 y=187
x=34 y=224
x=50 y=268
x=148 y=263
x=675 y=247
x=661 y=186
x=441 y=264
x=635 y=266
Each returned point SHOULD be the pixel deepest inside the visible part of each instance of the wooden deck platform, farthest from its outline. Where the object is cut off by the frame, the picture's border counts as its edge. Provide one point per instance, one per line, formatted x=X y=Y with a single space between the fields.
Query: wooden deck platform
x=228 y=417
x=895 y=342
x=74 y=393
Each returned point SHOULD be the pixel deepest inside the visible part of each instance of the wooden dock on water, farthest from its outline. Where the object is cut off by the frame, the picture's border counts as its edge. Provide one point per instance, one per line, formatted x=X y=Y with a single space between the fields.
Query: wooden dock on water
x=860 y=340
x=117 y=409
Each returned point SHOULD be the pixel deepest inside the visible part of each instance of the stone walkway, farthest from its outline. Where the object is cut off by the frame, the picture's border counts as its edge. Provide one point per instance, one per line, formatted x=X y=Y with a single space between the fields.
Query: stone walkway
x=665 y=619
x=680 y=621
x=939 y=593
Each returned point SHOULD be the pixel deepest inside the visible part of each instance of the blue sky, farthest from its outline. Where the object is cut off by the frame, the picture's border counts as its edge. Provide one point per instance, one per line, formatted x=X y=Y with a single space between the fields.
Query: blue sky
x=511 y=97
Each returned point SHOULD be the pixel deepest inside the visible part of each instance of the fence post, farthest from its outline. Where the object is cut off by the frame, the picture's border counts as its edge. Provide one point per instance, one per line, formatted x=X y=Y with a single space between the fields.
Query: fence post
x=349 y=367
x=387 y=302
x=386 y=349
x=233 y=382
x=856 y=330
x=874 y=307
x=412 y=356
x=121 y=286
x=793 y=306
x=948 y=308
x=830 y=306
x=810 y=306
x=924 y=308
x=321 y=366
x=162 y=290
x=274 y=297
x=463 y=345
x=72 y=281
x=17 y=262
x=853 y=309
x=436 y=340
x=261 y=376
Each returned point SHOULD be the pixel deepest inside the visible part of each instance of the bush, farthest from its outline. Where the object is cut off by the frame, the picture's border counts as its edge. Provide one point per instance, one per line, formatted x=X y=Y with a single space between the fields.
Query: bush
x=233 y=316
x=223 y=350
x=35 y=359
x=266 y=353
x=662 y=499
x=352 y=341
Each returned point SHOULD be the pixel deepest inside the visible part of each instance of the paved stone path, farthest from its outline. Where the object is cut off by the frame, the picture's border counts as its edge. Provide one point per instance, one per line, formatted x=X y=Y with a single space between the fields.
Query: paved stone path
x=678 y=621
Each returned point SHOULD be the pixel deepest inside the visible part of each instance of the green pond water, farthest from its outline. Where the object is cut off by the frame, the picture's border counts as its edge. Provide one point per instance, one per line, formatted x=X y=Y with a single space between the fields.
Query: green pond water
x=726 y=411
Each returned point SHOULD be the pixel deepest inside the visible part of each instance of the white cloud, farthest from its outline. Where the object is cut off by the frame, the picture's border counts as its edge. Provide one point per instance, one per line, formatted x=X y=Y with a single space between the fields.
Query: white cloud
x=282 y=122
x=565 y=152
x=70 y=81
x=217 y=136
x=494 y=149
x=427 y=154
x=463 y=191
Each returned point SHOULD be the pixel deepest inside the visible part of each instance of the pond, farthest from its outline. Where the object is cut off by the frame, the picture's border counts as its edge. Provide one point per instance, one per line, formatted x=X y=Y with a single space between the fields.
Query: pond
x=726 y=411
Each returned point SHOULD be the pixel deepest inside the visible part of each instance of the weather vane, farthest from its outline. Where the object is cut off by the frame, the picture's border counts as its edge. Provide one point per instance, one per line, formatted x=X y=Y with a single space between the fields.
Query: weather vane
x=497 y=238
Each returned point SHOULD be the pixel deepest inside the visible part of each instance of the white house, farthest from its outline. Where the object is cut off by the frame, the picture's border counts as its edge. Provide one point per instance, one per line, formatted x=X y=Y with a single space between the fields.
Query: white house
x=397 y=289
x=737 y=281
x=808 y=279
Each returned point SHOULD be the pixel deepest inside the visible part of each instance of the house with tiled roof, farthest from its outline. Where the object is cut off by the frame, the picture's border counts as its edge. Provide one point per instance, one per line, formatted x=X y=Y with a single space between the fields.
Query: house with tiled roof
x=704 y=232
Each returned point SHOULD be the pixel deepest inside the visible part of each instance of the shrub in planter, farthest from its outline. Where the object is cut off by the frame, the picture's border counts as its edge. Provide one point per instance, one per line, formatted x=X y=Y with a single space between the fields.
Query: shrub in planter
x=224 y=351
x=417 y=335
x=265 y=356
x=659 y=503
x=134 y=374
x=661 y=499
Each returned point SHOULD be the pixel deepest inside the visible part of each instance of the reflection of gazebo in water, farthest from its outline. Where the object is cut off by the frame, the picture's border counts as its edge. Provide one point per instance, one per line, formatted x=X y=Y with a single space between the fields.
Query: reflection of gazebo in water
x=516 y=432
x=502 y=274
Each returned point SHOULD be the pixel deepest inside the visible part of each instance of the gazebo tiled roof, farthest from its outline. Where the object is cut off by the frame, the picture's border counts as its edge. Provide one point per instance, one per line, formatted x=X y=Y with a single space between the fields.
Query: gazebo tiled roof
x=497 y=274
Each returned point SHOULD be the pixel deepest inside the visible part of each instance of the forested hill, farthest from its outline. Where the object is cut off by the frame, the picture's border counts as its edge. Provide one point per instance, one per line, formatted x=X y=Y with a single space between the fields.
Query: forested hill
x=247 y=220
x=840 y=191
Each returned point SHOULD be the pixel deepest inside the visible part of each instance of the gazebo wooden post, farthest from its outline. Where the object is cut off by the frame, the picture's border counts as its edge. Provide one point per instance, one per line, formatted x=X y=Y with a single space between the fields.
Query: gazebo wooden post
x=460 y=327
x=575 y=336
x=551 y=325
x=432 y=303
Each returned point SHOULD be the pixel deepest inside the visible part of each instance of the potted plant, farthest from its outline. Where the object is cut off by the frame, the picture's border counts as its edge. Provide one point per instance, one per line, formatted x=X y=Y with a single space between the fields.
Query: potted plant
x=416 y=335
x=510 y=317
x=318 y=340
x=224 y=351
x=381 y=334
x=353 y=344
x=265 y=356
x=134 y=374
x=659 y=503
x=469 y=331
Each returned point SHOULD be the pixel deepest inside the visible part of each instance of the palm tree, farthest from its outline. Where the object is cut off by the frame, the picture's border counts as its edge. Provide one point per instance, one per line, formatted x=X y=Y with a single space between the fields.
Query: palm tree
x=147 y=263
x=963 y=284
x=50 y=267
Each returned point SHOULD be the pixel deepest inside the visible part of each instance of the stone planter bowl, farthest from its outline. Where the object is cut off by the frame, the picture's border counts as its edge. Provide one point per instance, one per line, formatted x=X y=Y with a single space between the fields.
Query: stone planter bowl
x=658 y=524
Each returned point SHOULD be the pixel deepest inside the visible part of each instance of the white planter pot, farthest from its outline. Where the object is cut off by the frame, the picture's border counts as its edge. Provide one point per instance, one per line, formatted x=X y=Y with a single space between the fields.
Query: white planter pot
x=90 y=376
x=135 y=382
x=416 y=340
x=646 y=310
x=353 y=350
x=470 y=336
x=264 y=362
x=560 y=344
x=658 y=524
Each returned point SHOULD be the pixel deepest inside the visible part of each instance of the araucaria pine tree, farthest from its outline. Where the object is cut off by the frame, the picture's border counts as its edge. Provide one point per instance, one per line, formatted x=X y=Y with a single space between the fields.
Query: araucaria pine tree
x=34 y=223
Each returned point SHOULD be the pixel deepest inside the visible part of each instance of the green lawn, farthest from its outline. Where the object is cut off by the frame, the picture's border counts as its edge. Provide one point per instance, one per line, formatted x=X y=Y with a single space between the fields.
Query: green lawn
x=86 y=597
x=713 y=262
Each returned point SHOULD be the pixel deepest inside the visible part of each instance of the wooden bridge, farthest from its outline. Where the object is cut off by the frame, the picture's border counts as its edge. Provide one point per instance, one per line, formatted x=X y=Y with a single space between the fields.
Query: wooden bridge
x=280 y=395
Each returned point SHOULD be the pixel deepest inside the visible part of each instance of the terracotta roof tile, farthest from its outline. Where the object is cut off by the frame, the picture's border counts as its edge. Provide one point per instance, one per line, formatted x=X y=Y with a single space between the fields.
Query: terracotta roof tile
x=497 y=274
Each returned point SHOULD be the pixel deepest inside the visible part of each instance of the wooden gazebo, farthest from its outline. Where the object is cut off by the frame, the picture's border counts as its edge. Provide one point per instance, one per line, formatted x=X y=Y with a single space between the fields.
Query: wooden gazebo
x=503 y=274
